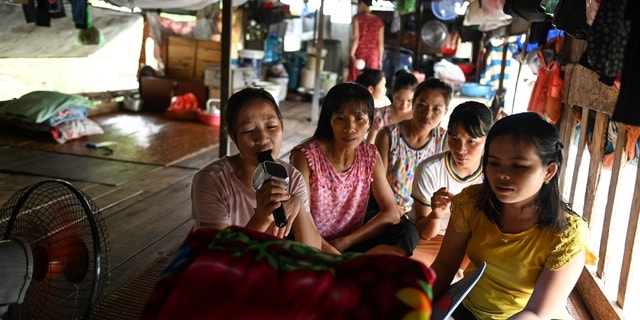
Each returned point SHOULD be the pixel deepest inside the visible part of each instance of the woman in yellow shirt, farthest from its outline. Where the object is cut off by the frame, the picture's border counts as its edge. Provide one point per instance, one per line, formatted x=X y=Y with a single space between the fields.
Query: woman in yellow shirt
x=517 y=222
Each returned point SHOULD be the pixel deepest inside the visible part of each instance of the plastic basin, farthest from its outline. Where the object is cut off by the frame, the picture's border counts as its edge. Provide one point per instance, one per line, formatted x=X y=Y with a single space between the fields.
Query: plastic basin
x=472 y=89
x=212 y=119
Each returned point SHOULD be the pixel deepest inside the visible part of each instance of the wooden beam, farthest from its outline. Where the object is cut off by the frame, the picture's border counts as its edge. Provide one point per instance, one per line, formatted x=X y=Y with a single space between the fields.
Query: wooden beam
x=315 y=99
x=599 y=138
x=225 y=70
x=581 y=143
x=629 y=260
x=567 y=134
x=619 y=160
x=592 y=294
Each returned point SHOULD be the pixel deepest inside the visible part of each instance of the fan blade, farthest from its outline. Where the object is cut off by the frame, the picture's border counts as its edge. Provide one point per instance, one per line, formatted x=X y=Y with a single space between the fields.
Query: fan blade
x=77 y=259
x=68 y=256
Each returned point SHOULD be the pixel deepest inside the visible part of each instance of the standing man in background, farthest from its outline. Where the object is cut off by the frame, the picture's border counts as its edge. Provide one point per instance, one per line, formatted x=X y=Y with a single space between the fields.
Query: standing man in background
x=367 y=40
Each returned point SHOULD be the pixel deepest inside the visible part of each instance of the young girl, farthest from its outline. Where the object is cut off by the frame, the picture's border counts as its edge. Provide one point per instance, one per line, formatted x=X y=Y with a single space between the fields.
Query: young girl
x=404 y=85
x=517 y=222
x=376 y=83
x=222 y=193
x=342 y=170
x=443 y=175
x=403 y=145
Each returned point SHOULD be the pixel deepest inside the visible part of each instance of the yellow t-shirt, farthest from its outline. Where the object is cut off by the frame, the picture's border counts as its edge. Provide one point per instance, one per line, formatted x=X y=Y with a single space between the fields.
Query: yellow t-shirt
x=514 y=261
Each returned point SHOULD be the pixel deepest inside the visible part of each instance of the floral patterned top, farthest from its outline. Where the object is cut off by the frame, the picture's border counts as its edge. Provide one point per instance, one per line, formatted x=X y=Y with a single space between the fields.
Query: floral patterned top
x=403 y=160
x=338 y=200
x=370 y=26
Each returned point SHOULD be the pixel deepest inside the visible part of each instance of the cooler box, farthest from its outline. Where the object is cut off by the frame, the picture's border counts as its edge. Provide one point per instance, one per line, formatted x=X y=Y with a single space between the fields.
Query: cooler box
x=240 y=76
x=253 y=59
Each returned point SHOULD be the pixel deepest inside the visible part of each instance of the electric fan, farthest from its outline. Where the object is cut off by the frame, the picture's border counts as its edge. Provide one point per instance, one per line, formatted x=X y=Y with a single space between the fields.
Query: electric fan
x=53 y=262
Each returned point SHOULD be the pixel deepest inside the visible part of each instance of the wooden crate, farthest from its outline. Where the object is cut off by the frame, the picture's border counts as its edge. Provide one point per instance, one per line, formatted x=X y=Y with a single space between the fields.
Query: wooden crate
x=180 y=57
x=208 y=53
x=188 y=58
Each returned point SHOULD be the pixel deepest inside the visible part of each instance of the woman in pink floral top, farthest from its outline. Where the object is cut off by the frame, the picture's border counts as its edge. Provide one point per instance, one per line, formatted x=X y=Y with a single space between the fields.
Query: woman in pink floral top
x=342 y=170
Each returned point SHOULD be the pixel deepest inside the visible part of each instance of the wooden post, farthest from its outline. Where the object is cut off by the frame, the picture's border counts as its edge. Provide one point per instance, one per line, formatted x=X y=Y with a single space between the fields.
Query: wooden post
x=315 y=100
x=225 y=68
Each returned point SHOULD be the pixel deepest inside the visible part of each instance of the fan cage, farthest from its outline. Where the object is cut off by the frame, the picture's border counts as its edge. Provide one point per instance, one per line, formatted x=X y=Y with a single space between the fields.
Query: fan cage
x=62 y=222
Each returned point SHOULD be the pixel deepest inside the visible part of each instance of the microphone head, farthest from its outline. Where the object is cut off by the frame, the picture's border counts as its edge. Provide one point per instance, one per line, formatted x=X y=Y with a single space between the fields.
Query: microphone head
x=265 y=156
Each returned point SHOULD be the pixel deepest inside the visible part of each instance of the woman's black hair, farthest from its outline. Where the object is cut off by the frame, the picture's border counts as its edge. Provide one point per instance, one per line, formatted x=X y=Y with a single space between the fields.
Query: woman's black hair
x=528 y=129
x=240 y=99
x=370 y=77
x=404 y=80
x=475 y=117
x=434 y=84
x=339 y=97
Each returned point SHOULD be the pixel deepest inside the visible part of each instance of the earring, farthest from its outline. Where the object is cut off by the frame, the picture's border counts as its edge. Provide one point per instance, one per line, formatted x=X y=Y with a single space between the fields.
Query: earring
x=546 y=181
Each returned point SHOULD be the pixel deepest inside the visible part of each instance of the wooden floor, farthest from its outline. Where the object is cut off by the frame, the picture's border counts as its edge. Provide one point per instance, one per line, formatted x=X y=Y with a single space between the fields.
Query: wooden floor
x=146 y=207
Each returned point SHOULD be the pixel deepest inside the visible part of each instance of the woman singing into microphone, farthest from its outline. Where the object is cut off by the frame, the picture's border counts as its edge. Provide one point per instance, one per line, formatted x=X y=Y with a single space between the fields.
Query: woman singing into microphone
x=222 y=193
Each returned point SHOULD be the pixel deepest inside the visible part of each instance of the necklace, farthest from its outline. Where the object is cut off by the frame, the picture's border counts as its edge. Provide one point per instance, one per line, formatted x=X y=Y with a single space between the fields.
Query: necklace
x=503 y=235
x=494 y=207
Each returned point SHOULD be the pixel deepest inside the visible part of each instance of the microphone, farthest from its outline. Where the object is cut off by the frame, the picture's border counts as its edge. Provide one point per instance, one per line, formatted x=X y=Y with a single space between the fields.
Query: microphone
x=269 y=169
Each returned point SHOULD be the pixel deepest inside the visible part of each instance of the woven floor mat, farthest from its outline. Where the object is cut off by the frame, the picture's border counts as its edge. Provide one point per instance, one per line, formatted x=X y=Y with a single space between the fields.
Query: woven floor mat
x=128 y=301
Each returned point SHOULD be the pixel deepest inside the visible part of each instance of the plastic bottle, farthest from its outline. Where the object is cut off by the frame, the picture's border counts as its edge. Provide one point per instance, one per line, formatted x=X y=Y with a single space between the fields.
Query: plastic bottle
x=272 y=49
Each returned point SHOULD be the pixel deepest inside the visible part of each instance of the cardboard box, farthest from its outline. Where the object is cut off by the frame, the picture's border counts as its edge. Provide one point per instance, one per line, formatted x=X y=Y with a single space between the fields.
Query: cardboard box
x=188 y=58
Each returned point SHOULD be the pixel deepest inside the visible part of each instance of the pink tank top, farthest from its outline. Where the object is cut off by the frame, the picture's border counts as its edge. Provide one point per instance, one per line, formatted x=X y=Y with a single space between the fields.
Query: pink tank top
x=338 y=200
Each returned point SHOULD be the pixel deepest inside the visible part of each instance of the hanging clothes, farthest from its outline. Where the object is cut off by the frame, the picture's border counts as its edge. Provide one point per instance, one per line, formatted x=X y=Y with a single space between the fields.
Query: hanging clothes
x=79 y=9
x=608 y=38
x=405 y=6
x=42 y=11
x=627 y=109
x=493 y=58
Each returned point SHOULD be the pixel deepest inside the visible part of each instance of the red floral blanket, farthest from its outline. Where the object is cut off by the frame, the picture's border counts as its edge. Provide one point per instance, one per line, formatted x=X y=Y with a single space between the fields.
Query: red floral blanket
x=238 y=273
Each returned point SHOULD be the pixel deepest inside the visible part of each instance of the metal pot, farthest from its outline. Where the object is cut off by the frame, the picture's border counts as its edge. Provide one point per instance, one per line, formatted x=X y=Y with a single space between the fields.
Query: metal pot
x=433 y=33
x=132 y=104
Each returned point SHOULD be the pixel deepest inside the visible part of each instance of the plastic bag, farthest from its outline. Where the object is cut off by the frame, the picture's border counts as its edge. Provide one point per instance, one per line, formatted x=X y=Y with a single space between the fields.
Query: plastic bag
x=529 y=10
x=448 y=72
x=488 y=15
x=183 y=107
x=546 y=97
x=187 y=101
